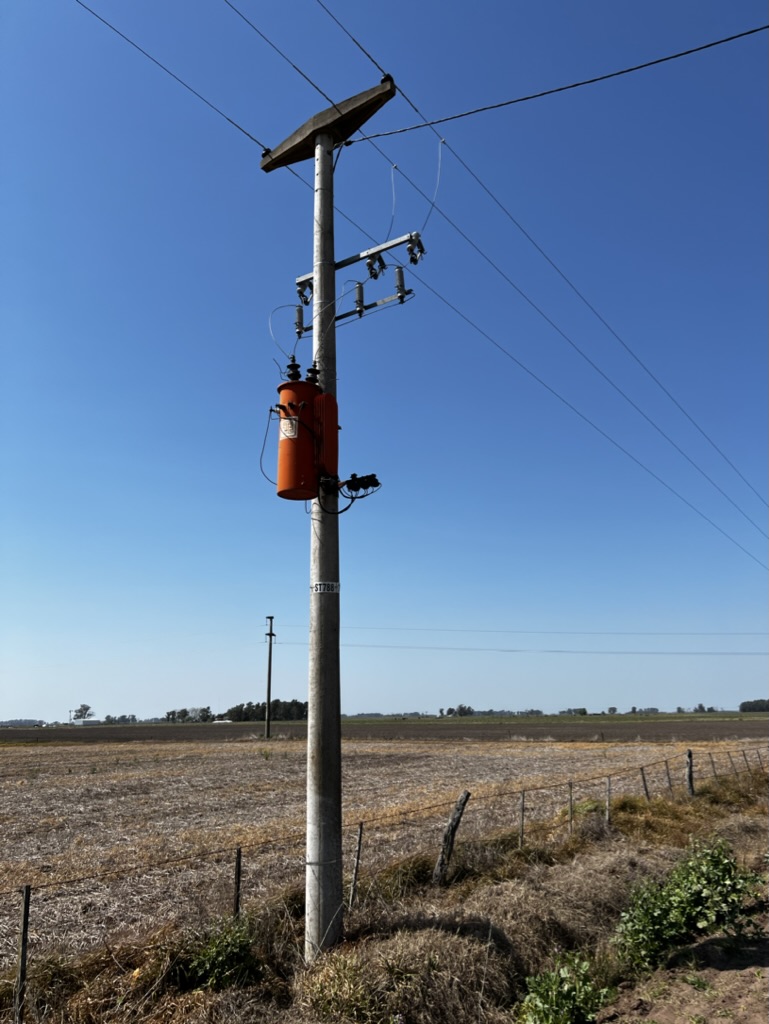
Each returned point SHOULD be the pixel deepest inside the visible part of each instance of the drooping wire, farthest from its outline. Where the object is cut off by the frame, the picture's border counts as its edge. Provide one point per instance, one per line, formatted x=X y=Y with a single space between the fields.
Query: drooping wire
x=270 y=414
x=286 y=305
x=437 y=184
x=393 y=169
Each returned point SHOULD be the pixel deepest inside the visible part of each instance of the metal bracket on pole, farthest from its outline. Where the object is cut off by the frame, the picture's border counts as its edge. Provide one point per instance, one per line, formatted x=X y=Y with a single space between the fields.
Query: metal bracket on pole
x=376 y=266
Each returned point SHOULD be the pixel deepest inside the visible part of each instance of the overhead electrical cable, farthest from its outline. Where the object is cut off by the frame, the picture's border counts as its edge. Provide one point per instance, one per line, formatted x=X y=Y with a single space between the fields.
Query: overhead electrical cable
x=442 y=298
x=168 y=71
x=545 y=650
x=570 y=341
x=585 y=418
x=561 y=88
x=571 y=285
x=533 y=632
x=634 y=355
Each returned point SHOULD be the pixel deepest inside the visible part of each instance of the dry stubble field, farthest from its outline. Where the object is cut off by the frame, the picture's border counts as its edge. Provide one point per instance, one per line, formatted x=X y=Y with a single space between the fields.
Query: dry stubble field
x=119 y=838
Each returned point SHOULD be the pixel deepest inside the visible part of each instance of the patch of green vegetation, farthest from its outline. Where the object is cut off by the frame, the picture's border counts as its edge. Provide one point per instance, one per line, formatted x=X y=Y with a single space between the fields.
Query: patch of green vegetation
x=704 y=892
x=221 y=957
x=567 y=994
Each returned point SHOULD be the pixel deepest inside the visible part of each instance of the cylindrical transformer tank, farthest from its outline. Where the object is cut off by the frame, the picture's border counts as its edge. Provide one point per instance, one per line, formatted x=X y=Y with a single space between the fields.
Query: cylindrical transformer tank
x=298 y=441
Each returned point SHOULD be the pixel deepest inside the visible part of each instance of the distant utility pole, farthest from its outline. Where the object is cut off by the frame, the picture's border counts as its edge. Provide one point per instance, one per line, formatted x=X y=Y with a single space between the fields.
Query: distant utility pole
x=270 y=636
x=323 y=879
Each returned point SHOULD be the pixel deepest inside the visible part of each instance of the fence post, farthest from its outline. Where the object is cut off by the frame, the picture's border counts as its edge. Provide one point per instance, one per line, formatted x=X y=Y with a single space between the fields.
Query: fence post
x=713 y=766
x=645 y=784
x=236 y=896
x=523 y=818
x=442 y=864
x=356 y=867
x=608 y=799
x=747 y=763
x=731 y=761
x=667 y=772
x=21 y=973
x=760 y=762
x=571 y=807
x=690 y=772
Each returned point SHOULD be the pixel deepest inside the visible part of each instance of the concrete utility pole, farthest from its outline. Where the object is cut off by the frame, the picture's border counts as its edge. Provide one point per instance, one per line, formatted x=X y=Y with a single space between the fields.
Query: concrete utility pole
x=267 y=717
x=323 y=880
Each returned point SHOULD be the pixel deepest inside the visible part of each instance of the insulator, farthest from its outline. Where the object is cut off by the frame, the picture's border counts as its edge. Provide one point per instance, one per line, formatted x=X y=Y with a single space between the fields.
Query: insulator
x=299 y=321
x=400 y=285
x=359 y=303
x=292 y=370
x=312 y=373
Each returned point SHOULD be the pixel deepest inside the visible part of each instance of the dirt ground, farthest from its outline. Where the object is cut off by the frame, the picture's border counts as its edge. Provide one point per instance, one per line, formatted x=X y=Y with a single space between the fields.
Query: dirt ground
x=713 y=980
x=545 y=728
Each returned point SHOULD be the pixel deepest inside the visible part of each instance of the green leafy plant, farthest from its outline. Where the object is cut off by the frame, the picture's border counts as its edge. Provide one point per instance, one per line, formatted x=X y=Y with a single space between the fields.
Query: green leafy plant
x=565 y=995
x=704 y=892
x=221 y=957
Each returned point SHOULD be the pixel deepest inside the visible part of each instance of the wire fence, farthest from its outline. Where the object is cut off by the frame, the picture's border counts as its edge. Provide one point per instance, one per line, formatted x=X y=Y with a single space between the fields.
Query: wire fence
x=74 y=915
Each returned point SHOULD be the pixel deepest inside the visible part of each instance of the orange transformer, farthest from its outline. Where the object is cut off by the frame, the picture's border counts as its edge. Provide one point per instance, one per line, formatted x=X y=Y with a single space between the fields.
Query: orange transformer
x=308 y=445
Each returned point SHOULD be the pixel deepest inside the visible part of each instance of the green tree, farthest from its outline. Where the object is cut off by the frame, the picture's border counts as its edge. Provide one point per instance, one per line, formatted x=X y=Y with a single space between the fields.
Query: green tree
x=82 y=713
x=754 y=705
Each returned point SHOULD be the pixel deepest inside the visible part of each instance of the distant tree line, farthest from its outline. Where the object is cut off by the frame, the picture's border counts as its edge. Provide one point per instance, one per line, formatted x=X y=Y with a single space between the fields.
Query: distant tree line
x=280 y=711
x=754 y=705
x=190 y=715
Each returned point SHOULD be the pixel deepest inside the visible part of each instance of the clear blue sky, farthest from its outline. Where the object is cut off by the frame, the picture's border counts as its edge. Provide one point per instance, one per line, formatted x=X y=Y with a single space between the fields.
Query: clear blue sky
x=144 y=255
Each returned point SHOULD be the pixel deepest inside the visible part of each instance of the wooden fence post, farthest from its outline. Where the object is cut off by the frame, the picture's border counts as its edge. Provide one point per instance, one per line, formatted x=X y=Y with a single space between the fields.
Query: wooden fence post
x=747 y=763
x=571 y=808
x=20 y=990
x=713 y=766
x=442 y=864
x=523 y=819
x=608 y=800
x=356 y=867
x=731 y=761
x=645 y=784
x=667 y=772
x=236 y=895
x=690 y=772
x=760 y=762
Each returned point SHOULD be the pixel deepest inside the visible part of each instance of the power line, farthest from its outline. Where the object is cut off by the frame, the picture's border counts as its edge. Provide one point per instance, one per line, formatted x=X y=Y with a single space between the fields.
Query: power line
x=168 y=71
x=571 y=285
x=552 y=323
x=587 y=419
x=546 y=650
x=437 y=294
x=534 y=632
x=608 y=326
x=280 y=52
x=570 y=341
x=560 y=88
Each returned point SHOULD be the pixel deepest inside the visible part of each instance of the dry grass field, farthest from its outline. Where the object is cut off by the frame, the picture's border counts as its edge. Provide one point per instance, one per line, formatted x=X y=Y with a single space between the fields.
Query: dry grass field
x=118 y=838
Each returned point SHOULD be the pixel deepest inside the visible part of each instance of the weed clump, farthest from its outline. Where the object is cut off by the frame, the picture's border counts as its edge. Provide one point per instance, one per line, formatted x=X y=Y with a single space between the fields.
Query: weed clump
x=567 y=994
x=704 y=892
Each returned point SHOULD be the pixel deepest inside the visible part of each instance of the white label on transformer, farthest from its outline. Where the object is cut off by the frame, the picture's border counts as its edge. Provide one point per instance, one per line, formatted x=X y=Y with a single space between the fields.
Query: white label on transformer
x=289 y=427
x=326 y=588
